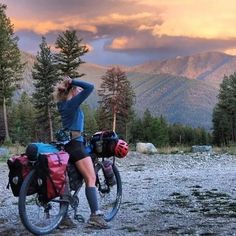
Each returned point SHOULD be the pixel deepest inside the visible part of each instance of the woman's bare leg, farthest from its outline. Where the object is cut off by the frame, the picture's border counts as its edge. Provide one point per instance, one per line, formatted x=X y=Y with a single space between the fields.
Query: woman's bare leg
x=86 y=168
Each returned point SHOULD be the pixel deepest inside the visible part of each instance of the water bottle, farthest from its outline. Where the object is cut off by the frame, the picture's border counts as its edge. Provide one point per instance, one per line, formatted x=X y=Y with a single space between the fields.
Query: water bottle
x=108 y=172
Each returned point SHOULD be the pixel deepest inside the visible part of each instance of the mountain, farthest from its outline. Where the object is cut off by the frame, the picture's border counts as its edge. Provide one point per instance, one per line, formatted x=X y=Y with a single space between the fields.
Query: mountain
x=209 y=67
x=178 y=99
x=183 y=89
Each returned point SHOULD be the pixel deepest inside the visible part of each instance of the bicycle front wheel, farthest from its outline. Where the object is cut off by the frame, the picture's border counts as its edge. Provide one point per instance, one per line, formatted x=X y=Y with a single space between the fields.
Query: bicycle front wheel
x=37 y=217
x=109 y=197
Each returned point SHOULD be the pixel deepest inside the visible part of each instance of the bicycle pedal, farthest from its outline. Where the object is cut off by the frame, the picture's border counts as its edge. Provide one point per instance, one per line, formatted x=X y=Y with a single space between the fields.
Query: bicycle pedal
x=79 y=218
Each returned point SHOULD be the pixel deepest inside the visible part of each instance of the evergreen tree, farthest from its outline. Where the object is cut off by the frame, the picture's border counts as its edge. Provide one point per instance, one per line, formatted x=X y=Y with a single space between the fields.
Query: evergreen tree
x=147 y=125
x=117 y=97
x=10 y=68
x=224 y=115
x=90 y=125
x=70 y=51
x=162 y=135
x=136 y=130
x=45 y=75
x=103 y=121
x=221 y=126
x=155 y=129
x=22 y=120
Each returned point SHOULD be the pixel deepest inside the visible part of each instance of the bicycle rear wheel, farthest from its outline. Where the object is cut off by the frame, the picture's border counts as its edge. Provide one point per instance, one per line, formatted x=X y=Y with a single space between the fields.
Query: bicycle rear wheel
x=37 y=217
x=109 y=197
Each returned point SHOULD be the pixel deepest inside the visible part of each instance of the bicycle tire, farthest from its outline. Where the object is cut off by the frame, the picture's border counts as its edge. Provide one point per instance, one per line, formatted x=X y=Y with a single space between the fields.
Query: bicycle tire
x=29 y=206
x=112 y=198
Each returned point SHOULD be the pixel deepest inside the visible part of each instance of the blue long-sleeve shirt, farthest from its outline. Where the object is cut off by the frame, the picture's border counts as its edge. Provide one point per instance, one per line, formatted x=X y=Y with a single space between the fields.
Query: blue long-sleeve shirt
x=71 y=114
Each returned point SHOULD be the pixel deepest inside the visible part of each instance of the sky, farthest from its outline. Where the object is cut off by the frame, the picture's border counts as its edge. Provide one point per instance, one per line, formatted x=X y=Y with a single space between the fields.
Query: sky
x=128 y=32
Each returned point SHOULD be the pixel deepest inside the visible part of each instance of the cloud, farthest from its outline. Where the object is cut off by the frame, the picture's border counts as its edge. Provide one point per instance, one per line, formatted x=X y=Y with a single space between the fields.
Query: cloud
x=156 y=28
x=171 y=46
x=50 y=26
x=119 y=43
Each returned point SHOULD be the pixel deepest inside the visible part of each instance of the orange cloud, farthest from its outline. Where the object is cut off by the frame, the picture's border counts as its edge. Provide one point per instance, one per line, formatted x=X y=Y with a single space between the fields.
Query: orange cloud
x=87 y=24
x=119 y=43
x=231 y=51
x=44 y=27
x=207 y=19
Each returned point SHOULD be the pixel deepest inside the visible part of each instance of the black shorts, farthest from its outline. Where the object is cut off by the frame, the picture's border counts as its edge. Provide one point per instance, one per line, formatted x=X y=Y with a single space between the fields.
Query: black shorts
x=76 y=150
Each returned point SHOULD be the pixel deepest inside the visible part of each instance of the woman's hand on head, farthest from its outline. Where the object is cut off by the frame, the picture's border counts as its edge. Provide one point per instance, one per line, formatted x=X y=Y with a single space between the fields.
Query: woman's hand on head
x=67 y=81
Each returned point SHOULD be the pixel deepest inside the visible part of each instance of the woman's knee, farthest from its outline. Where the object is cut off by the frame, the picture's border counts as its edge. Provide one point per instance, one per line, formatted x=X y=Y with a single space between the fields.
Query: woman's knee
x=90 y=180
x=86 y=168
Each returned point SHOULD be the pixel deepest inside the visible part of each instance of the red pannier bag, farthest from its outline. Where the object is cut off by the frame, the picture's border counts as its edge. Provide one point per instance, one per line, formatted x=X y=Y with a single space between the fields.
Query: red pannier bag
x=19 y=168
x=53 y=172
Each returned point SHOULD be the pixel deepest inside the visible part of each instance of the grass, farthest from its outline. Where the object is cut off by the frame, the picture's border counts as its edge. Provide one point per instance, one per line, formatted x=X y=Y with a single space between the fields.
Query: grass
x=187 y=149
x=174 y=150
x=224 y=149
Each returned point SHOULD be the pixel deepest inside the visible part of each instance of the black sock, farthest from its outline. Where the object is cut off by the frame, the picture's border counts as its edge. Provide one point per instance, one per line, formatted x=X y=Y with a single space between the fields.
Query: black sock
x=91 y=194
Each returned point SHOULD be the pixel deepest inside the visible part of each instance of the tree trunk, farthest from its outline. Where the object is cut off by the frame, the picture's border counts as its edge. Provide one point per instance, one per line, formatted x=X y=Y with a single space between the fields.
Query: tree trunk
x=114 y=122
x=50 y=124
x=2 y=126
x=126 y=131
x=7 y=137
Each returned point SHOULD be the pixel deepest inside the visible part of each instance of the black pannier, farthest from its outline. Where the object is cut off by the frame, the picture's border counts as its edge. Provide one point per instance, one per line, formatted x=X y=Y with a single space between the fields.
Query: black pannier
x=103 y=143
x=19 y=168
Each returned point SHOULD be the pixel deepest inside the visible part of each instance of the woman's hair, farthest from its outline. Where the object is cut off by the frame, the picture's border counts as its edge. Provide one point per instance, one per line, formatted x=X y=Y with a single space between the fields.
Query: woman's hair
x=61 y=91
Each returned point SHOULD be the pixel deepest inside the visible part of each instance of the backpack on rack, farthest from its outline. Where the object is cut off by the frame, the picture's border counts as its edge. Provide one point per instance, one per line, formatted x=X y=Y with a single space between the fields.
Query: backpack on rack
x=19 y=168
x=52 y=171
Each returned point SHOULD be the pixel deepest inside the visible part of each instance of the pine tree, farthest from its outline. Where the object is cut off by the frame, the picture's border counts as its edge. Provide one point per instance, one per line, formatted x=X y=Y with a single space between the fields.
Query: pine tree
x=70 y=51
x=10 y=68
x=22 y=120
x=90 y=125
x=45 y=76
x=117 y=97
x=224 y=115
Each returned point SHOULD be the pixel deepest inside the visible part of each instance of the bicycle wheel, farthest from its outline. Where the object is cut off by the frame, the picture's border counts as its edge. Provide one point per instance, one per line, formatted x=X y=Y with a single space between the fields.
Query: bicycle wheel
x=109 y=197
x=39 y=218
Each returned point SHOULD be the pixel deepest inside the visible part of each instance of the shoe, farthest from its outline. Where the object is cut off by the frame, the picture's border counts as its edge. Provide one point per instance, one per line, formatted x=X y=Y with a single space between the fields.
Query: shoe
x=67 y=223
x=97 y=221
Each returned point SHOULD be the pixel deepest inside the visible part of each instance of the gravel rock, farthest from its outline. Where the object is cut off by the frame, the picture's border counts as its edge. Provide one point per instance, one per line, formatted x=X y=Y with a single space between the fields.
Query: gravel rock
x=181 y=194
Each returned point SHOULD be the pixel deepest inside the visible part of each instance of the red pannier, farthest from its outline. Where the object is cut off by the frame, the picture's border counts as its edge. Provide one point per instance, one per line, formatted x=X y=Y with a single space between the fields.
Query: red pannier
x=52 y=170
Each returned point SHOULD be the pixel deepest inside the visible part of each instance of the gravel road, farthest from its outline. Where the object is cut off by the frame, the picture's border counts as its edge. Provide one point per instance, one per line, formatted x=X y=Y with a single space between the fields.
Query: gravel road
x=181 y=194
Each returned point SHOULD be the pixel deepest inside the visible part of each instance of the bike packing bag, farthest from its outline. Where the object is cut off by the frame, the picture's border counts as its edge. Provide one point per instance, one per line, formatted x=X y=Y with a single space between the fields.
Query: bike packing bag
x=19 y=168
x=52 y=171
x=103 y=143
x=34 y=149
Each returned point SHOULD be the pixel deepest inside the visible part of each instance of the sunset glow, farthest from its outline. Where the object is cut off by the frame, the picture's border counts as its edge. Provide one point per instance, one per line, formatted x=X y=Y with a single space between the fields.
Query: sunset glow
x=166 y=28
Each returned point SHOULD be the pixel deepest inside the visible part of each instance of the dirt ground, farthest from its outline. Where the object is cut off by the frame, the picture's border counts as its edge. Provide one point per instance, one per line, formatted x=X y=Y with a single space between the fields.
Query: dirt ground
x=181 y=194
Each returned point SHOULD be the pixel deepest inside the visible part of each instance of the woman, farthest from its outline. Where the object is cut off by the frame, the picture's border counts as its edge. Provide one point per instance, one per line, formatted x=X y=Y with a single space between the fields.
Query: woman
x=69 y=95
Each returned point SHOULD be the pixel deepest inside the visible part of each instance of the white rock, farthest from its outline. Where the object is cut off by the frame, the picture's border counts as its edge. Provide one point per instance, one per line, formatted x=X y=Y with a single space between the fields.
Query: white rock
x=147 y=148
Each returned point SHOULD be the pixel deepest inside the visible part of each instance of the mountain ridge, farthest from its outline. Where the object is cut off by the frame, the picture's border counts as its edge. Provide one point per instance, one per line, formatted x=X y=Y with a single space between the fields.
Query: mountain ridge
x=183 y=90
x=202 y=66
